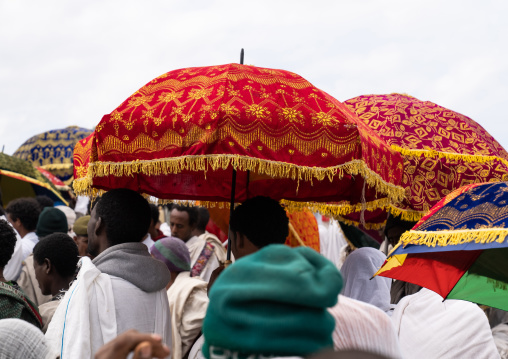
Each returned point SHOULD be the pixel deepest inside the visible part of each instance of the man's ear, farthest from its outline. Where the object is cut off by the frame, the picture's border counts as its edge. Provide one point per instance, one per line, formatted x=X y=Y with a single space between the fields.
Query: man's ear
x=98 y=226
x=47 y=264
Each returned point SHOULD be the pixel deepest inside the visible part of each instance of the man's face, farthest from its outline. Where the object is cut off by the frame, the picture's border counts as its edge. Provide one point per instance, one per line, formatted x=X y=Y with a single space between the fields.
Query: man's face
x=42 y=277
x=82 y=243
x=15 y=224
x=393 y=235
x=93 y=243
x=179 y=224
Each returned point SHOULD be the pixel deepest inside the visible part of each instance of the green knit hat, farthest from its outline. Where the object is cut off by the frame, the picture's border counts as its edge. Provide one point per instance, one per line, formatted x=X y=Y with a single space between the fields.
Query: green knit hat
x=272 y=303
x=51 y=220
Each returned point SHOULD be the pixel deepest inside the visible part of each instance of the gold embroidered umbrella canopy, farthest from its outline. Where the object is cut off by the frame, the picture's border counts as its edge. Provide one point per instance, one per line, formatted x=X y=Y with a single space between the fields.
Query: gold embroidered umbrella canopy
x=184 y=134
x=52 y=150
x=442 y=150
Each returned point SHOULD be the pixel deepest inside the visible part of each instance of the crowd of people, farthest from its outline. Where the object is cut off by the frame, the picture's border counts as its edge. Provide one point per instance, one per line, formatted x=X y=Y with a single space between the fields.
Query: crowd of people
x=123 y=281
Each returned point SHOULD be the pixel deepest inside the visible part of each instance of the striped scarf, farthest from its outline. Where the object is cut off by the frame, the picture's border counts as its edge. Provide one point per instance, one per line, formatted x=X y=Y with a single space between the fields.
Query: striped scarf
x=14 y=304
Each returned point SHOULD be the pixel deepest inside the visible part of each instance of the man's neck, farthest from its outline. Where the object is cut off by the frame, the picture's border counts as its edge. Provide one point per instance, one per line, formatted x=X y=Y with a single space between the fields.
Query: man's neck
x=23 y=232
x=60 y=284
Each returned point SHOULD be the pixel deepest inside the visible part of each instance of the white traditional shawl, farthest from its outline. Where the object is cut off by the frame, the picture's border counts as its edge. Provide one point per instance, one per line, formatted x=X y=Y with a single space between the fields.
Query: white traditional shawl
x=188 y=302
x=70 y=330
x=429 y=327
x=362 y=326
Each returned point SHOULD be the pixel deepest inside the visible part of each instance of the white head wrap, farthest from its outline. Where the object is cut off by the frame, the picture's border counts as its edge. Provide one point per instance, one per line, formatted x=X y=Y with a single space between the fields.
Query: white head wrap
x=22 y=340
x=358 y=269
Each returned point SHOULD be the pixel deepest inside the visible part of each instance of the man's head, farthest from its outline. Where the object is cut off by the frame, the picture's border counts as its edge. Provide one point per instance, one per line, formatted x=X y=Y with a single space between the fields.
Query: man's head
x=154 y=214
x=277 y=292
x=258 y=222
x=120 y=216
x=69 y=214
x=7 y=243
x=204 y=217
x=183 y=221
x=51 y=220
x=395 y=227
x=81 y=235
x=55 y=260
x=174 y=253
x=44 y=201
x=23 y=214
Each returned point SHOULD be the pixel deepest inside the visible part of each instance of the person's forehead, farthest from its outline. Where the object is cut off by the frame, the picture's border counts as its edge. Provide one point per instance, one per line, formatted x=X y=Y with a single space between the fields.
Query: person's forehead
x=395 y=230
x=179 y=215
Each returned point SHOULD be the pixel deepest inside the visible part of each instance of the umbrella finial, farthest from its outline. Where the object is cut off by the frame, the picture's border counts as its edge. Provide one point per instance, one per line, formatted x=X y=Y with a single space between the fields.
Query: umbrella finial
x=241 y=57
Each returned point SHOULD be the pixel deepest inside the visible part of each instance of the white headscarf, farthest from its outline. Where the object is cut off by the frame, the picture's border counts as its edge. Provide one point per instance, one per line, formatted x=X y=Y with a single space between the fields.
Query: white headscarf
x=429 y=327
x=22 y=340
x=357 y=272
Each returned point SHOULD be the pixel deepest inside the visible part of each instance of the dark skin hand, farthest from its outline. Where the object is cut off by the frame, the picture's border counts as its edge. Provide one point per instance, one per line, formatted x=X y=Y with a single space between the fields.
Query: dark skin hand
x=145 y=346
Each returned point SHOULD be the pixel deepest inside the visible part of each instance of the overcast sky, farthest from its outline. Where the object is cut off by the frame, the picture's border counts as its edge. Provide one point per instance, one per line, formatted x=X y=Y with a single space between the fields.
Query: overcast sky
x=66 y=63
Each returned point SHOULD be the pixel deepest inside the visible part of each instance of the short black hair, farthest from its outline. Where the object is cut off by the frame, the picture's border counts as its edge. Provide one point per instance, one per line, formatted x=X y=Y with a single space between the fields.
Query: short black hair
x=397 y=221
x=191 y=211
x=44 y=201
x=27 y=210
x=126 y=215
x=204 y=217
x=262 y=220
x=62 y=252
x=7 y=242
x=154 y=212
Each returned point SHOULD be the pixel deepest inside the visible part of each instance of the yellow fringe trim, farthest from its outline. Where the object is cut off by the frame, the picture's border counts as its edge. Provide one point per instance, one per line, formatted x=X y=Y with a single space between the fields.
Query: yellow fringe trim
x=406 y=215
x=448 y=155
x=446 y=238
x=203 y=163
x=335 y=209
x=57 y=166
x=373 y=226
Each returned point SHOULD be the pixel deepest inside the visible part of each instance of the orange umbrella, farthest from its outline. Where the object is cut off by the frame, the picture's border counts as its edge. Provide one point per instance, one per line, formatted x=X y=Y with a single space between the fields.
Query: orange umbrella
x=442 y=150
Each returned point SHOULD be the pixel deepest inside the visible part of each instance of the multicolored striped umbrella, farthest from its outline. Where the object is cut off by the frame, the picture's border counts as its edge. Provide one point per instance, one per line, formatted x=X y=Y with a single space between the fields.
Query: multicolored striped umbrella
x=459 y=250
x=19 y=178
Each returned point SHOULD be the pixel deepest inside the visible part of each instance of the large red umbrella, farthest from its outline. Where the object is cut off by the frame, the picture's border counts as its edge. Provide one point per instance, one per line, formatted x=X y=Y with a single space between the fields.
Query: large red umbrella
x=199 y=133
x=181 y=136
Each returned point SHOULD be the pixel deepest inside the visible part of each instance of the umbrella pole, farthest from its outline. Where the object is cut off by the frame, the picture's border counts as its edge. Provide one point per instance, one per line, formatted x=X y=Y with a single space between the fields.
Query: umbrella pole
x=233 y=189
x=231 y=209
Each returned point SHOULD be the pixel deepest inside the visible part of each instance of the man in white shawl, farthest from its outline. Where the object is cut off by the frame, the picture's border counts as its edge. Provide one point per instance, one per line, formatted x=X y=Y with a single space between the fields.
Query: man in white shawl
x=358 y=270
x=187 y=296
x=429 y=327
x=204 y=255
x=201 y=232
x=122 y=288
